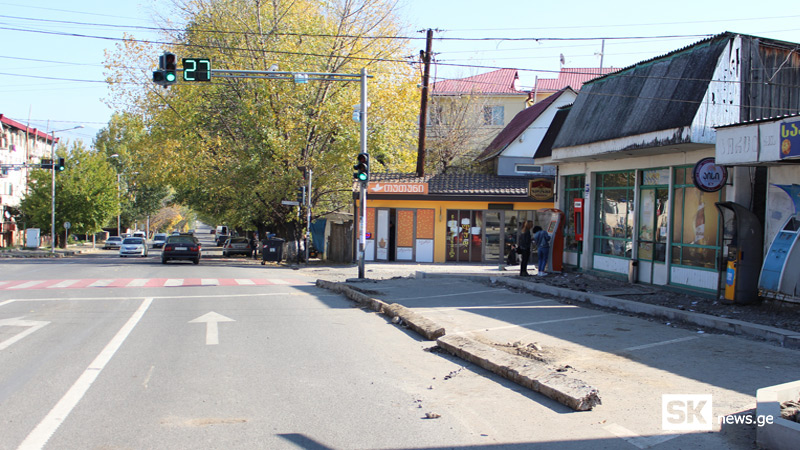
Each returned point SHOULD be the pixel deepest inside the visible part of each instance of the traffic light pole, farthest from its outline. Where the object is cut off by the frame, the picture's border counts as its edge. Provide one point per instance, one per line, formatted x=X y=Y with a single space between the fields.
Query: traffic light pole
x=362 y=246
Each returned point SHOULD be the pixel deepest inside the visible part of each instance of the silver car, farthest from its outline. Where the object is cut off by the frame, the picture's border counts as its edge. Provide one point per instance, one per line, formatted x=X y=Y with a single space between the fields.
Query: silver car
x=133 y=246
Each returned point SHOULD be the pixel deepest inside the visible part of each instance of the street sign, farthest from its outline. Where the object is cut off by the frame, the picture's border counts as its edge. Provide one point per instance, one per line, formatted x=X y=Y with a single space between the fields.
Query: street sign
x=290 y=203
x=67 y=225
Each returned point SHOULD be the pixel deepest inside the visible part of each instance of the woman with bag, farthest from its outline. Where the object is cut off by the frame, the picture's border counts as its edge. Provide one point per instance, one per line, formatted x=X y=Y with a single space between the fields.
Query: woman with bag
x=524 y=247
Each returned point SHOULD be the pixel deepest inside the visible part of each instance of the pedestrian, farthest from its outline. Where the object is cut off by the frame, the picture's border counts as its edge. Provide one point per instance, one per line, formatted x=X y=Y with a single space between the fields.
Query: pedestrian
x=254 y=245
x=542 y=239
x=524 y=248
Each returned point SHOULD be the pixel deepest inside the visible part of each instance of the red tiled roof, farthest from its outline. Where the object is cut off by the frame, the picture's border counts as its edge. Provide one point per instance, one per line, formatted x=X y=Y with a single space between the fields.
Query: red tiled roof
x=501 y=81
x=572 y=77
x=25 y=129
x=517 y=126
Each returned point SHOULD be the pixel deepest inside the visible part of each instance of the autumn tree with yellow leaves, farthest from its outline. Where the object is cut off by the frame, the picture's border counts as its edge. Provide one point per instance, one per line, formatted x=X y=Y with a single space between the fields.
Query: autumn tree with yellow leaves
x=234 y=148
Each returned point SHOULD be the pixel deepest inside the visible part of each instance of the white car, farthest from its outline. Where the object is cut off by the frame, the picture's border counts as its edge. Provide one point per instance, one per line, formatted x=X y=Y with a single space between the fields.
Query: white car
x=133 y=246
x=113 y=242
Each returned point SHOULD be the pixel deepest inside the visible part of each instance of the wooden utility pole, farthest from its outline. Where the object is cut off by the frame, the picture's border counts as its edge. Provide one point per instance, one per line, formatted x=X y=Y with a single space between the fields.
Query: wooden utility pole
x=423 y=108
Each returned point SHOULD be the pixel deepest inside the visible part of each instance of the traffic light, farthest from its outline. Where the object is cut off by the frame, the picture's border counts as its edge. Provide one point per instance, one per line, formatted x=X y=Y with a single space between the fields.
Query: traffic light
x=46 y=164
x=169 y=64
x=301 y=195
x=61 y=164
x=362 y=168
x=167 y=70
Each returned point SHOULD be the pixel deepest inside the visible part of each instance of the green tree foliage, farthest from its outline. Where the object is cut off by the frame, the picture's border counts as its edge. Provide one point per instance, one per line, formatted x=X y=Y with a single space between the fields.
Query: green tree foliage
x=86 y=193
x=124 y=144
x=234 y=148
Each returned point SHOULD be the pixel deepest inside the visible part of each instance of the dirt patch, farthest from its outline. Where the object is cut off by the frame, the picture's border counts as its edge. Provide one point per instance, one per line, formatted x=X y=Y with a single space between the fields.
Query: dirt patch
x=768 y=312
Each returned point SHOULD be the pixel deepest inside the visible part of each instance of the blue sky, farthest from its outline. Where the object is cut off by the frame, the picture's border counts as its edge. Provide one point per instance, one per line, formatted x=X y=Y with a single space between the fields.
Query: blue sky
x=52 y=76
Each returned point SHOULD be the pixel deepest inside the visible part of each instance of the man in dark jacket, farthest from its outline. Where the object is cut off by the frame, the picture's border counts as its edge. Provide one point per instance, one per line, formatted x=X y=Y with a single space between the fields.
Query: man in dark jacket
x=524 y=247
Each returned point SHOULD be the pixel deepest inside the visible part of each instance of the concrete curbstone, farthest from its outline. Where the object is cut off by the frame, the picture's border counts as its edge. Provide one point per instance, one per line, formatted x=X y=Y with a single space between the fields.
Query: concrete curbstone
x=530 y=374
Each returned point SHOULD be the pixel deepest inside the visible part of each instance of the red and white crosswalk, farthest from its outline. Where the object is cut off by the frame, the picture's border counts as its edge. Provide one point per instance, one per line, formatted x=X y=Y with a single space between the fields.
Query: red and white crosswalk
x=19 y=285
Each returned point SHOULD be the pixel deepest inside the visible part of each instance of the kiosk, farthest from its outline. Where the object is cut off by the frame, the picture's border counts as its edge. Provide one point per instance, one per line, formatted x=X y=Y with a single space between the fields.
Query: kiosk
x=742 y=233
x=779 y=274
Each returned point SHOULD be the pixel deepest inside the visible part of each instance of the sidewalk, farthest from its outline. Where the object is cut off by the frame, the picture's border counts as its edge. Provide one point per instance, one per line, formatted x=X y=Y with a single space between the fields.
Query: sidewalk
x=581 y=356
x=71 y=250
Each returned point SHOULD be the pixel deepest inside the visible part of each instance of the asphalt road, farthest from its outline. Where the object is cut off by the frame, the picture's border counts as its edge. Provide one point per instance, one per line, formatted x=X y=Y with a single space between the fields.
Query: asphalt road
x=227 y=354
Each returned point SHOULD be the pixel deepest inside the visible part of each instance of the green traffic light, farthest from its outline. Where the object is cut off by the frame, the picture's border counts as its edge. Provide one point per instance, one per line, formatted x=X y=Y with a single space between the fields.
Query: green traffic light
x=170 y=77
x=362 y=176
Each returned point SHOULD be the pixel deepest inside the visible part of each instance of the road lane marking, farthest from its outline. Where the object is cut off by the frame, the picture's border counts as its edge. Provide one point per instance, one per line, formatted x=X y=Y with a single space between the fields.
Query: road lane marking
x=457 y=294
x=31 y=325
x=209 y=282
x=173 y=282
x=541 y=322
x=137 y=282
x=212 y=320
x=101 y=283
x=671 y=341
x=279 y=281
x=639 y=441
x=48 y=426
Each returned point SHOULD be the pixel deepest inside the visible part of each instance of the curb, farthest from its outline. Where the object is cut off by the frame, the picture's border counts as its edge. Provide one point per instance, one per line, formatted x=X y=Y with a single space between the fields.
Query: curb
x=537 y=377
x=784 y=338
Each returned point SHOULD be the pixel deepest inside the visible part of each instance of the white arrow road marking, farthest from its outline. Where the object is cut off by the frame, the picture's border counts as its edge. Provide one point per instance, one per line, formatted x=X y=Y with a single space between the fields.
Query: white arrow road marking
x=212 y=330
x=32 y=325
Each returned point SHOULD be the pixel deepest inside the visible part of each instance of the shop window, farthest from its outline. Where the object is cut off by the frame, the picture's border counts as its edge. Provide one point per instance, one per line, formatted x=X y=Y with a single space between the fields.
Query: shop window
x=464 y=242
x=613 y=234
x=695 y=225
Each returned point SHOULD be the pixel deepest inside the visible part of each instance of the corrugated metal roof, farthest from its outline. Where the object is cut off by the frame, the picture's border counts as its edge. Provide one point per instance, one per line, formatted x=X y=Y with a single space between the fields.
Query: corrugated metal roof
x=517 y=126
x=501 y=81
x=461 y=183
x=659 y=94
x=572 y=77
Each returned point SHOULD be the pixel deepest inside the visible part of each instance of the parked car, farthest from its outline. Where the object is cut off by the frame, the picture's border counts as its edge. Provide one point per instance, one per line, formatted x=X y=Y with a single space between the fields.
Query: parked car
x=139 y=234
x=133 y=246
x=236 y=246
x=181 y=246
x=112 y=242
x=221 y=238
x=159 y=239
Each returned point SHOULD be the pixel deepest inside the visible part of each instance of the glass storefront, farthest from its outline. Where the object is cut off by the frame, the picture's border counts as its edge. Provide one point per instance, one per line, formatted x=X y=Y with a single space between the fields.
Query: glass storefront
x=613 y=233
x=695 y=224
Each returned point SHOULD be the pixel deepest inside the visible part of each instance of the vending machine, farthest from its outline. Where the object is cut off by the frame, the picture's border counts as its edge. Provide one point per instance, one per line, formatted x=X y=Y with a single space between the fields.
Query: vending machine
x=742 y=234
x=552 y=221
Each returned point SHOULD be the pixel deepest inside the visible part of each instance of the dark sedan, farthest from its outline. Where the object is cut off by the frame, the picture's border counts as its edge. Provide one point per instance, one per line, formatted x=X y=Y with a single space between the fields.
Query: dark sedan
x=182 y=246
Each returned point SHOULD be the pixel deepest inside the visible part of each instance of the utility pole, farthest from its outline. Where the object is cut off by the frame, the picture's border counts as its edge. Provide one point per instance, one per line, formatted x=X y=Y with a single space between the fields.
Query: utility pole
x=423 y=108
x=362 y=245
x=308 y=212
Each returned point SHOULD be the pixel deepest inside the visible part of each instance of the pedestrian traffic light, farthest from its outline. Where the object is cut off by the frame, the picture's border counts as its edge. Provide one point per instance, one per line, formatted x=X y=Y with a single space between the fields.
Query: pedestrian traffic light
x=61 y=164
x=46 y=164
x=362 y=168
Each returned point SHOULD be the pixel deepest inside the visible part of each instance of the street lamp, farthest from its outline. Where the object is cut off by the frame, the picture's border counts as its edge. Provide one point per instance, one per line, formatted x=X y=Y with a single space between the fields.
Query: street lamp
x=53 y=189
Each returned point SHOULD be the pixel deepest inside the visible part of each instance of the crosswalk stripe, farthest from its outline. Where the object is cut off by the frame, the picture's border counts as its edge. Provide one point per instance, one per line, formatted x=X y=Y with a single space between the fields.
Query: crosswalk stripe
x=25 y=285
x=63 y=284
x=145 y=283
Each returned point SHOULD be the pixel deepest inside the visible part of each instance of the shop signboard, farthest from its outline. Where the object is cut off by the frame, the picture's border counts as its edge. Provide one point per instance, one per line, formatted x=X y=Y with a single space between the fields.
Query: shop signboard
x=540 y=189
x=790 y=139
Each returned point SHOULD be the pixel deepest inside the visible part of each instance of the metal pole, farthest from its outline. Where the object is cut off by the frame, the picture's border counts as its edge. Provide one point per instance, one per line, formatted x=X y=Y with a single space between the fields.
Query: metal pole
x=363 y=240
x=53 y=196
x=119 y=213
x=308 y=211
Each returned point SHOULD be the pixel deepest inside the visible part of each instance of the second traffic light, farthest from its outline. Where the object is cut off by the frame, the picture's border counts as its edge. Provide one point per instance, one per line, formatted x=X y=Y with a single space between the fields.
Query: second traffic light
x=362 y=168
x=61 y=164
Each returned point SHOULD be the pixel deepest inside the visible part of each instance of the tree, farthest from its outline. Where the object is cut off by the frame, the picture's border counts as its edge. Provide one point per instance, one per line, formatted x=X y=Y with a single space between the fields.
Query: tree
x=86 y=193
x=456 y=134
x=235 y=148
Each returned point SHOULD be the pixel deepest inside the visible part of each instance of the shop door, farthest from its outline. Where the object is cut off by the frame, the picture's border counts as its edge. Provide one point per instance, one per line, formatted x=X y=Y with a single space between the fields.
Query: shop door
x=652 y=234
x=464 y=235
x=500 y=235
